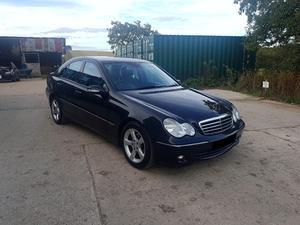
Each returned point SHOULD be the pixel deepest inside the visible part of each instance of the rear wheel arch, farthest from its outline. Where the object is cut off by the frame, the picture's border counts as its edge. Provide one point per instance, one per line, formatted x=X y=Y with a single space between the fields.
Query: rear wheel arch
x=51 y=96
x=62 y=119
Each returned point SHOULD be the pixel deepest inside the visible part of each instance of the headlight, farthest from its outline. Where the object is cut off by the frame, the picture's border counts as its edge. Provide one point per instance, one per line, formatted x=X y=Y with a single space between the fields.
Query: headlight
x=178 y=130
x=235 y=114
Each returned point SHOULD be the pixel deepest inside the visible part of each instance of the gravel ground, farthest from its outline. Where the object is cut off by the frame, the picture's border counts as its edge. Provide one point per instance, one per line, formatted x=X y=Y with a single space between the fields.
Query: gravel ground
x=52 y=174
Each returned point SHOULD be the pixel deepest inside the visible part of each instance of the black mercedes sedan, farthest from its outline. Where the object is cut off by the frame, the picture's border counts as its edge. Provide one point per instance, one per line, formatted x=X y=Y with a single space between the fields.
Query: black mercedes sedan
x=144 y=109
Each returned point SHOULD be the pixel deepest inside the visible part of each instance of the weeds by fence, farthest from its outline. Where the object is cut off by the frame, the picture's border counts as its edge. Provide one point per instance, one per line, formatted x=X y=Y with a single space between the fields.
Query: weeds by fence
x=284 y=86
x=281 y=68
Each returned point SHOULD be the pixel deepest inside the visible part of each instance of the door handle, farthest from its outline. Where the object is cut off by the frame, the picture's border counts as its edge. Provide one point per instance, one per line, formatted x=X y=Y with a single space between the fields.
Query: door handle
x=78 y=91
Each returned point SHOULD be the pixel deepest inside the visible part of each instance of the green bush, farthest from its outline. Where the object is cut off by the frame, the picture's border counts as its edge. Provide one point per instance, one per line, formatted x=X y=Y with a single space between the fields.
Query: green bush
x=203 y=82
x=279 y=65
x=279 y=59
x=210 y=79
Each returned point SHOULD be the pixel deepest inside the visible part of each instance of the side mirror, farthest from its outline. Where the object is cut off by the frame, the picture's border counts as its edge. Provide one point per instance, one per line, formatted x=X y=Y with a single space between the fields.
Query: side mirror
x=99 y=89
x=54 y=72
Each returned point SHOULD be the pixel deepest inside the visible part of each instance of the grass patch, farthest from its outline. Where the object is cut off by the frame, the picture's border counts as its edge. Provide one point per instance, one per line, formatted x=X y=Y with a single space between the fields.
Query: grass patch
x=283 y=86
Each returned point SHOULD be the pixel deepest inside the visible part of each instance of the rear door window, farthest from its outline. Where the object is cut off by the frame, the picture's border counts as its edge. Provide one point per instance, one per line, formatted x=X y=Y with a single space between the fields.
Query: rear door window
x=75 y=66
x=72 y=72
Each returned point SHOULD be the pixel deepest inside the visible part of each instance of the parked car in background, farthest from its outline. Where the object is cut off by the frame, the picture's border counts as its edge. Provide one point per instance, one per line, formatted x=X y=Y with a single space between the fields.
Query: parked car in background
x=143 y=108
x=9 y=73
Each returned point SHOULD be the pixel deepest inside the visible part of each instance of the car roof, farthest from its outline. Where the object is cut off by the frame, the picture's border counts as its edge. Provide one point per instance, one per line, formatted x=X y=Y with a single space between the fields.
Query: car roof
x=108 y=59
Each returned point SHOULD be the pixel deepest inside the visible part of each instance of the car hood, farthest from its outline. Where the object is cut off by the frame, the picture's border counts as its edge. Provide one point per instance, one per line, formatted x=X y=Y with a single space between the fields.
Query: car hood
x=185 y=104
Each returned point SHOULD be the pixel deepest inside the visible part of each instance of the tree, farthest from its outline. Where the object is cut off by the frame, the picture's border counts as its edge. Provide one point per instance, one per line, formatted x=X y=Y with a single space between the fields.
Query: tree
x=123 y=33
x=272 y=22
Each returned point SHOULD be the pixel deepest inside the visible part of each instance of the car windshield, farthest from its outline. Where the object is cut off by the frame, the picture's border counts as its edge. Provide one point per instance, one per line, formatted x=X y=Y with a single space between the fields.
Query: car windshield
x=137 y=76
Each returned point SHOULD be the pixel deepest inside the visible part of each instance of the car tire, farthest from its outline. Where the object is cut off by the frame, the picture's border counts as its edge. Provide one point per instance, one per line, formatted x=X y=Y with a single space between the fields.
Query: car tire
x=57 y=111
x=136 y=145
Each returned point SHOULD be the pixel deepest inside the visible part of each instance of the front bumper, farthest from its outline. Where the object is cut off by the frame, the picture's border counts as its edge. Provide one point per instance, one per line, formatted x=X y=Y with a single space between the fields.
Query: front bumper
x=6 y=77
x=198 y=151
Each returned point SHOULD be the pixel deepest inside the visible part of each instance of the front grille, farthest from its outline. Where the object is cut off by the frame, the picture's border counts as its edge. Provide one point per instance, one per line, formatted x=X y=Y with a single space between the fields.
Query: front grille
x=216 y=125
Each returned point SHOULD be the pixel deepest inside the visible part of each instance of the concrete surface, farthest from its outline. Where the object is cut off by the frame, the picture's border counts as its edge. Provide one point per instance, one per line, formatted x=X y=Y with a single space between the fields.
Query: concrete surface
x=52 y=174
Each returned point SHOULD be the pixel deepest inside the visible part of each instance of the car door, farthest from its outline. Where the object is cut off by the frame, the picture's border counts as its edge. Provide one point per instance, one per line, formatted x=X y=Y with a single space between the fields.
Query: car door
x=97 y=108
x=69 y=88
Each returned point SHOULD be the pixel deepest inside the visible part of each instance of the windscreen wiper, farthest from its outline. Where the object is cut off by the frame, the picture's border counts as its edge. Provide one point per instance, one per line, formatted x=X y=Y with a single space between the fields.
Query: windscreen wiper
x=156 y=86
x=151 y=86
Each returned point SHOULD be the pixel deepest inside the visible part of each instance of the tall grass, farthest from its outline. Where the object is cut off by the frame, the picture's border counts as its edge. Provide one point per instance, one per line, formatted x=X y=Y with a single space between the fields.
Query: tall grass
x=278 y=65
x=284 y=86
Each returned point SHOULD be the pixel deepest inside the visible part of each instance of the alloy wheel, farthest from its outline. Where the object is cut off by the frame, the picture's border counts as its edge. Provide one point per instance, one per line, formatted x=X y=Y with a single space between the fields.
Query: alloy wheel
x=55 y=110
x=134 y=145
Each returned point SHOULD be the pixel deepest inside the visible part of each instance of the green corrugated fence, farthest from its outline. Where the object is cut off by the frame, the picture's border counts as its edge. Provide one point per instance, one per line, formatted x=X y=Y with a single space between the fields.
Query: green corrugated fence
x=192 y=56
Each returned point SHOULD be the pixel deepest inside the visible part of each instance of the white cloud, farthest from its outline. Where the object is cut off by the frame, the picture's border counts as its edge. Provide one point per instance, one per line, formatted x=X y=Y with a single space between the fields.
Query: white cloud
x=215 y=17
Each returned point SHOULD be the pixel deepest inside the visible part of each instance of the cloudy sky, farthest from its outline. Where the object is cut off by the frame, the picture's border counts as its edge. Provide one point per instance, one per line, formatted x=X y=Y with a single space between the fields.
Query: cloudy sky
x=83 y=22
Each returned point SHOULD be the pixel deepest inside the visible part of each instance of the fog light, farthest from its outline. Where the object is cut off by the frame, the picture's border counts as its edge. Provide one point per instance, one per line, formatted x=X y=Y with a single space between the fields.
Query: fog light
x=181 y=160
